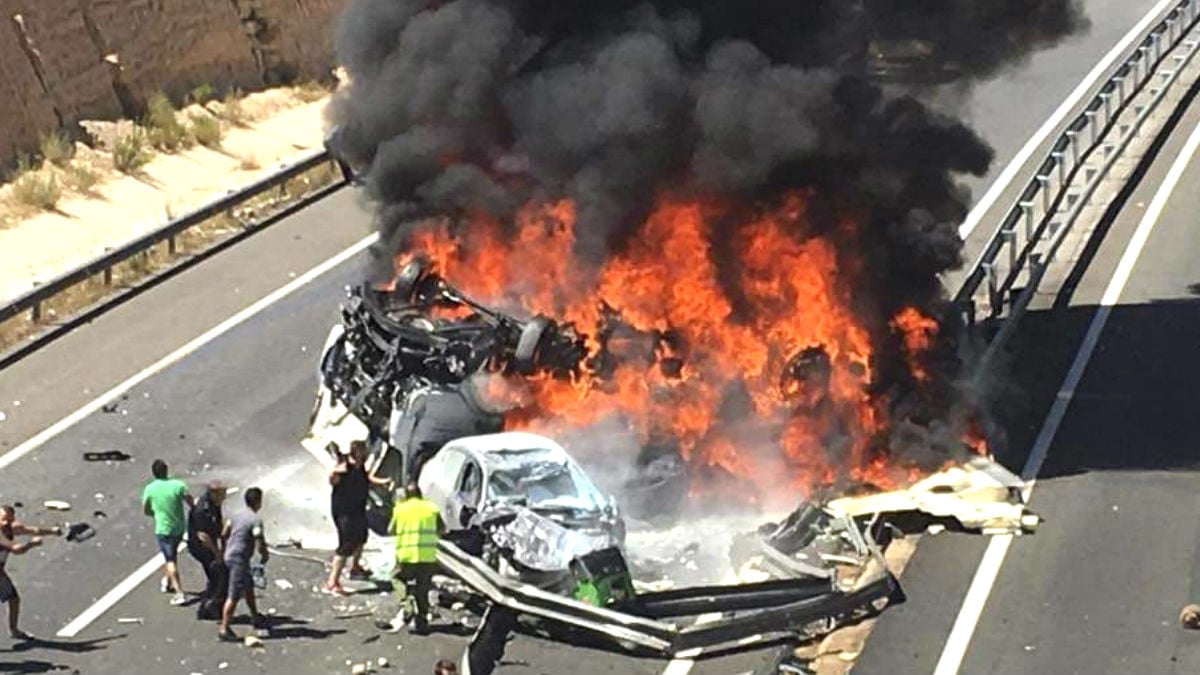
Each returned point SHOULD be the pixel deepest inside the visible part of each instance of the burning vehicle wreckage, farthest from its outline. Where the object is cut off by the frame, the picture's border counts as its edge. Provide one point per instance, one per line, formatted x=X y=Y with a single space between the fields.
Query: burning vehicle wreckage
x=532 y=535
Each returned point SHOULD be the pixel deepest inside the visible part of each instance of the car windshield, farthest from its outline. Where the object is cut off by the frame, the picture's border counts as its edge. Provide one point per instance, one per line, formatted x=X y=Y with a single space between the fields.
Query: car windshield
x=543 y=480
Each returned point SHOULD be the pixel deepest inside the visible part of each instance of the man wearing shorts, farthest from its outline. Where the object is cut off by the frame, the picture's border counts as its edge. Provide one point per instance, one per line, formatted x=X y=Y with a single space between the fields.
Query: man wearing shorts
x=163 y=500
x=348 y=504
x=243 y=534
x=10 y=529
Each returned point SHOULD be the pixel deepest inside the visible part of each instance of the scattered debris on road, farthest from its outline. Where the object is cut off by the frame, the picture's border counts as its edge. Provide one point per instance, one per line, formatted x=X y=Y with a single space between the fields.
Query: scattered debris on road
x=57 y=505
x=107 y=456
x=1189 y=617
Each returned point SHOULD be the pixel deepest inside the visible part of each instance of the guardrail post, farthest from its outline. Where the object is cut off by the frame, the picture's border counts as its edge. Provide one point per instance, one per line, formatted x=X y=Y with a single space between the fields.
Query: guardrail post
x=108 y=278
x=1073 y=141
x=1009 y=236
x=1027 y=209
x=35 y=312
x=1060 y=161
x=171 y=245
x=1107 y=99
x=989 y=275
x=1091 y=118
x=1044 y=182
x=1119 y=81
x=1156 y=44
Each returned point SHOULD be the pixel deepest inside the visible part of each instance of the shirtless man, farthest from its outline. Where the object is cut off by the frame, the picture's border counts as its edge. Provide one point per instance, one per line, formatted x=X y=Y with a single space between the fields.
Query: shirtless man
x=10 y=529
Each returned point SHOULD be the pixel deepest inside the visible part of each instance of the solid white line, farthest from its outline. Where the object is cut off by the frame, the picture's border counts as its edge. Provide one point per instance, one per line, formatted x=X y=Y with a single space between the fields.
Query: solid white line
x=111 y=598
x=179 y=354
x=989 y=567
x=989 y=198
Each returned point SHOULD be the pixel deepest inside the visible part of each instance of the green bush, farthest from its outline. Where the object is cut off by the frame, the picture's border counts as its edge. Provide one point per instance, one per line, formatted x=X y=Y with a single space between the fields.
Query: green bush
x=232 y=110
x=203 y=94
x=35 y=187
x=82 y=179
x=56 y=148
x=130 y=153
x=207 y=131
x=163 y=129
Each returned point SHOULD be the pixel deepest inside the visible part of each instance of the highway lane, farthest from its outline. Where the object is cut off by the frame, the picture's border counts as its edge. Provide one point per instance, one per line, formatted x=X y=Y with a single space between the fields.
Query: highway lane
x=1099 y=587
x=243 y=398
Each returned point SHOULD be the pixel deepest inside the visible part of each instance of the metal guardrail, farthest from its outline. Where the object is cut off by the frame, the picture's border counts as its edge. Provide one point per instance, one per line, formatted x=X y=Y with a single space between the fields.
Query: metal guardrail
x=32 y=301
x=1016 y=257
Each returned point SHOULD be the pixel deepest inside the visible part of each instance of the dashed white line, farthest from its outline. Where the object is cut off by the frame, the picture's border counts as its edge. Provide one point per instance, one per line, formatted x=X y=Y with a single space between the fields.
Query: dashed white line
x=1055 y=120
x=989 y=567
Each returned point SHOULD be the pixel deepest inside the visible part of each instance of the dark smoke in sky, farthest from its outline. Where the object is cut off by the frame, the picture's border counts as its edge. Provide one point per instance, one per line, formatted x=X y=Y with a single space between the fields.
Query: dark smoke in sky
x=482 y=105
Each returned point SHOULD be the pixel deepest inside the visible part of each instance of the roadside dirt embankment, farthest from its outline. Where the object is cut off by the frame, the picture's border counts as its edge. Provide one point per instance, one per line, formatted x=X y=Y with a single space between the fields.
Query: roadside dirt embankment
x=70 y=60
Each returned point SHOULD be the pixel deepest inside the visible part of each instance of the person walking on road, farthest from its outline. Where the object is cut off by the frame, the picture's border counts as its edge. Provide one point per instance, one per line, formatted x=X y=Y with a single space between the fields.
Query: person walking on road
x=204 y=525
x=163 y=500
x=348 y=504
x=417 y=524
x=243 y=534
x=10 y=529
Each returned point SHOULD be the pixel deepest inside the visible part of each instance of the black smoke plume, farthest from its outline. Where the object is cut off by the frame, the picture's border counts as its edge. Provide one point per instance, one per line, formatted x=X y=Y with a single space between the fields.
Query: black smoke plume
x=482 y=105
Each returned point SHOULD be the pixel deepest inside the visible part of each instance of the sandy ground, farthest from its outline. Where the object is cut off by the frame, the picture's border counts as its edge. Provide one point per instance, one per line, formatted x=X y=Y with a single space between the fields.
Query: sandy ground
x=42 y=246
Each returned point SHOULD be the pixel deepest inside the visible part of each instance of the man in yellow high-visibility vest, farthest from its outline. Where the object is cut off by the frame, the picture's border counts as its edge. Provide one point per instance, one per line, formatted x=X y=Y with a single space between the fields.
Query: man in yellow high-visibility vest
x=417 y=524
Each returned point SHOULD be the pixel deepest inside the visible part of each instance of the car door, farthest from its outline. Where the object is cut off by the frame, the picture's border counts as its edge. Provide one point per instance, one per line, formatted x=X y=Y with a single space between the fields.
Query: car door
x=439 y=478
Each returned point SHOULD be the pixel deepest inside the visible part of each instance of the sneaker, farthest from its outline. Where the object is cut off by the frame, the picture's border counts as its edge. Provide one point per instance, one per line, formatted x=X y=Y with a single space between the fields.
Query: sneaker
x=228 y=636
x=360 y=573
x=179 y=599
x=163 y=587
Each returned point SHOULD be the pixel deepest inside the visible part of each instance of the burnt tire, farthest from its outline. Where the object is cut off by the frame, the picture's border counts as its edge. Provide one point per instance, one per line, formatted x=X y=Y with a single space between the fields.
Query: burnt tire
x=409 y=277
x=525 y=355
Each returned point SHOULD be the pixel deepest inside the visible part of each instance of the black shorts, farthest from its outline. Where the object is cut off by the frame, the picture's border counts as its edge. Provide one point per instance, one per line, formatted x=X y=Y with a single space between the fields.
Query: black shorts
x=352 y=533
x=7 y=590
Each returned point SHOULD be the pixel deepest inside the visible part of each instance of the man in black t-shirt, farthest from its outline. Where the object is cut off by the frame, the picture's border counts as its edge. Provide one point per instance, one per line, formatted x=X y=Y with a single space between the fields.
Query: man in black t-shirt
x=204 y=525
x=348 y=504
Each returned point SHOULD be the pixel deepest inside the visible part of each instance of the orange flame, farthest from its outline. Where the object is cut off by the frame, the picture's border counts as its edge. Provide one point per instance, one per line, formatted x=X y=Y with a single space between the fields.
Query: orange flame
x=772 y=370
x=917 y=332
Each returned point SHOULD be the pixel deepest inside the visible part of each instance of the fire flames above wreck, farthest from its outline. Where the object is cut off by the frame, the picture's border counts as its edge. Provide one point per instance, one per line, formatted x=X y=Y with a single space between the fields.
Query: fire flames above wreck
x=744 y=209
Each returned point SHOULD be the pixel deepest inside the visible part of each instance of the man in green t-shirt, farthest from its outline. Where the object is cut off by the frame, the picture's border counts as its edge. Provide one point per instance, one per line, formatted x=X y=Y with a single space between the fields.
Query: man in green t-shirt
x=163 y=500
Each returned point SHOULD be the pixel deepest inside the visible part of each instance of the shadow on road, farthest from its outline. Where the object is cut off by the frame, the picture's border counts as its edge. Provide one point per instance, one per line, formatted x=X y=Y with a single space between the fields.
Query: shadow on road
x=1136 y=406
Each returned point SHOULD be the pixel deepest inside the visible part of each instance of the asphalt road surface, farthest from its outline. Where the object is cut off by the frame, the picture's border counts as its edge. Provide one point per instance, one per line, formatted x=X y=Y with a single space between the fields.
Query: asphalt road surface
x=1099 y=588
x=233 y=404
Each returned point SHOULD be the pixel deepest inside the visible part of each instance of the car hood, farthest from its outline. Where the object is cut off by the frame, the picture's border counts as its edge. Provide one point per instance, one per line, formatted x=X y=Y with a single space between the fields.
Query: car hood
x=541 y=543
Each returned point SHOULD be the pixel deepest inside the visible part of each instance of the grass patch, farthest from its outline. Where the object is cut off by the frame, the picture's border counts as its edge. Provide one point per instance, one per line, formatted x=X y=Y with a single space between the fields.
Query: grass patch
x=56 y=148
x=82 y=179
x=202 y=94
x=207 y=131
x=34 y=187
x=130 y=153
x=163 y=128
x=232 y=109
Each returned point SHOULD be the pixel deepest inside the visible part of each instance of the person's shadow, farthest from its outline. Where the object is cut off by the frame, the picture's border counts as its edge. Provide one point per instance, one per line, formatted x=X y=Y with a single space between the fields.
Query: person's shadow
x=283 y=627
x=39 y=666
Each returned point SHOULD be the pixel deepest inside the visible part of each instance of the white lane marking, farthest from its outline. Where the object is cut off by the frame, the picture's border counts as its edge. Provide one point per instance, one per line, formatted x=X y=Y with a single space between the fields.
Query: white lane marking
x=683 y=662
x=989 y=198
x=184 y=351
x=106 y=602
x=989 y=567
